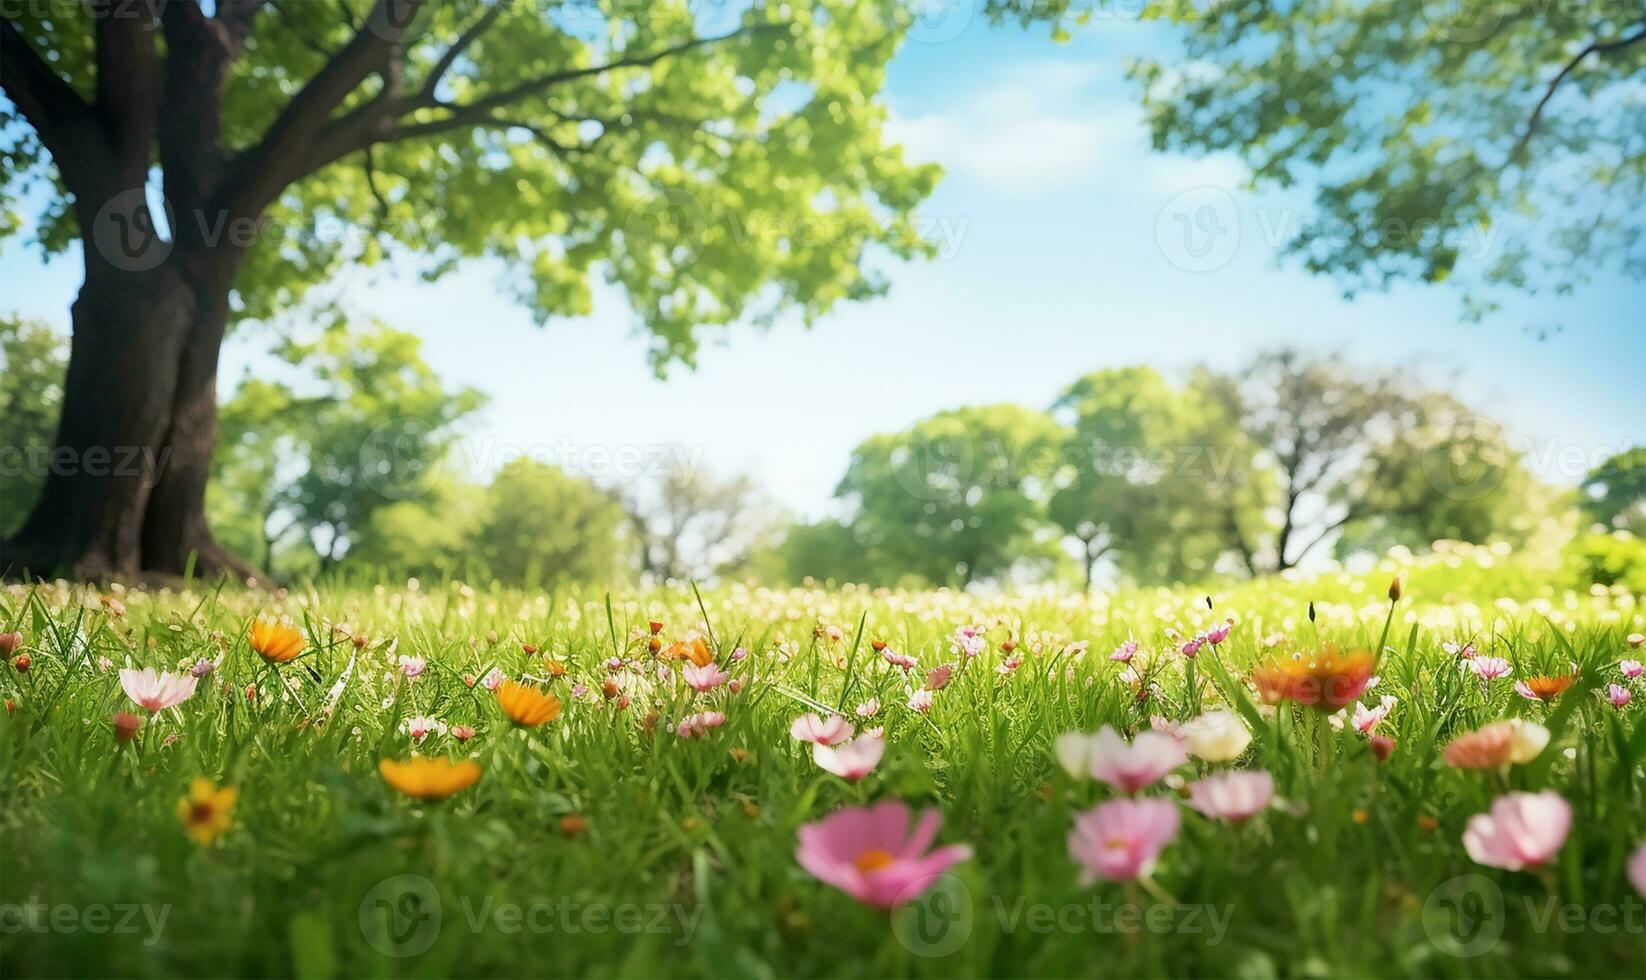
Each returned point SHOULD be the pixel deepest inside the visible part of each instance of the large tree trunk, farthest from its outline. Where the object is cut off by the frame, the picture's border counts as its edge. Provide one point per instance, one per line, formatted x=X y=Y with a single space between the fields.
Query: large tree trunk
x=124 y=492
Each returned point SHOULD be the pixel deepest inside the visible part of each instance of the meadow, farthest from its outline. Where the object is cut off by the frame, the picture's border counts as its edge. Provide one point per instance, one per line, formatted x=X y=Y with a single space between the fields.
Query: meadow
x=629 y=784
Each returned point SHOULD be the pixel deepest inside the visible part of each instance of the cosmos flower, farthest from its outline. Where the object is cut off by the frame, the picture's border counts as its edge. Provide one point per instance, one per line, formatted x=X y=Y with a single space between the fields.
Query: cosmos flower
x=429 y=779
x=493 y=678
x=869 y=708
x=1463 y=651
x=1618 y=695
x=1124 y=653
x=920 y=701
x=413 y=667
x=1631 y=668
x=1126 y=767
x=205 y=812
x=1522 y=830
x=852 y=760
x=1232 y=796
x=420 y=727
x=899 y=660
x=1501 y=743
x=157 y=692
x=821 y=731
x=1543 y=687
x=938 y=677
x=875 y=855
x=1215 y=736
x=703 y=678
x=1122 y=839
x=1326 y=680
x=692 y=726
x=1489 y=668
x=968 y=641
x=1366 y=719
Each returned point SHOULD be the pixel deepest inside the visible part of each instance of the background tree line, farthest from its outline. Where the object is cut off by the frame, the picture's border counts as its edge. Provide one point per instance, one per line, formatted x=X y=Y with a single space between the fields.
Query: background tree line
x=349 y=462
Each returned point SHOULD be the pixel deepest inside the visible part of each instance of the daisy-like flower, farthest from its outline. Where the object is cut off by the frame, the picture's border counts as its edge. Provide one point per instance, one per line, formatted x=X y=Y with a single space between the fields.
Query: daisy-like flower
x=157 y=692
x=852 y=760
x=968 y=641
x=875 y=855
x=420 y=727
x=1488 y=668
x=1631 y=669
x=1543 y=687
x=692 y=726
x=1232 y=796
x=1126 y=767
x=1216 y=736
x=869 y=708
x=1502 y=742
x=1124 y=653
x=413 y=667
x=1522 y=830
x=1618 y=695
x=206 y=812
x=274 y=642
x=1366 y=719
x=1122 y=839
x=704 y=678
x=429 y=779
x=920 y=701
x=821 y=731
x=525 y=705
x=1327 y=679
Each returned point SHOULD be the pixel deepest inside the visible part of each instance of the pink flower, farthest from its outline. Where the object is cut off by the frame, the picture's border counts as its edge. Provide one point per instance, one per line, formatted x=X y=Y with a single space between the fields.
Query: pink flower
x=968 y=641
x=420 y=726
x=1367 y=719
x=740 y=654
x=1522 y=830
x=1130 y=768
x=1218 y=634
x=580 y=690
x=1489 y=668
x=202 y=667
x=899 y=660
x=413 y=667
x=704 y=678
x=462 y=732
x=874 y=855
x=1121 y=839
x=1191 y=648
x=1232 y=796
x=692 y=726
x=1637 y=869
x=921 y=701
x=852 y=760
x=493 y=678
x=157 y=692
x=869 y=708
x=1124 y=653
x=1619 y=695
x=1631 y=669
x=1010 y=664
x=1462 y=651
x=938 y=678
x=810 y=728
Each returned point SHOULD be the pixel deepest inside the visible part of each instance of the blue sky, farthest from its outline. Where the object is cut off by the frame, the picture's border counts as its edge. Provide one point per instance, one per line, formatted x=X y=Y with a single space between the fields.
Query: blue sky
x=1062 y=250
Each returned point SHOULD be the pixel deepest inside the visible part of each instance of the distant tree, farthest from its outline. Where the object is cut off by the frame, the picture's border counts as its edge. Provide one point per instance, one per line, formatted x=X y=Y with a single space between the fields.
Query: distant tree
x=1490 y=144
x=828 y=550
x=218 y=159
x=33 y=359
x=313 y=460
x=959 y=496
x=1614 y=493
x=692 y=524
x=1150 y=472
x=427 y=536
x=542 y=528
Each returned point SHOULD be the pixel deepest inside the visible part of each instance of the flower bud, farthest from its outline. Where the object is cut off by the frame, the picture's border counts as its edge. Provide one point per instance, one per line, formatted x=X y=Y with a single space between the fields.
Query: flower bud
x=126 y=725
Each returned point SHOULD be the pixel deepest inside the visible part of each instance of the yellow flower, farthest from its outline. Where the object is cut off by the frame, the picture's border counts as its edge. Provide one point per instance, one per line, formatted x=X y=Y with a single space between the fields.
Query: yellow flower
x=275 y=643
x=431 y=780
x=1327 y=679
x=694 y=648
x=205 y=811
x=526 y=706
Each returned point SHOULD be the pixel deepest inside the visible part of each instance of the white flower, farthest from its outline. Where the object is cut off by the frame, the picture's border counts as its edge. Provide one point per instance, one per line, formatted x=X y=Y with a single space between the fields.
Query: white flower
x=1216 y=736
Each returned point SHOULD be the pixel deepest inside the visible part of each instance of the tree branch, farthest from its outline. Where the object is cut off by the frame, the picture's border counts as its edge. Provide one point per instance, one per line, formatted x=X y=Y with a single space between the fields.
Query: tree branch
x=126 y=89
x=61 y=119
x=454 y=52
x=1594 y=47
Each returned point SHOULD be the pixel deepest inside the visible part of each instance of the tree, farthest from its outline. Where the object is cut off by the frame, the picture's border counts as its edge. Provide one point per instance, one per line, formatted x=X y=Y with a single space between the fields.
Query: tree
x=1501 y=140
x=1614 y=493
x=542 y=528
x=959 y=496
x=1150 y=475
x=698 y=526
x=218 y=159
x=32 y=360
x=317 y=459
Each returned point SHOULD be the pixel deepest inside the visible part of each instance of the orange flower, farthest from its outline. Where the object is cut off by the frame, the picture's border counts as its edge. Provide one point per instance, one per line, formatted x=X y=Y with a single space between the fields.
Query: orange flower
x=1327 y=679
x=430 y=780
x=694 y=648
x=1543 y=687
x=555 y=668
x=1487 y=748
x=527 y=706
x=205 y=811
x=275 y=643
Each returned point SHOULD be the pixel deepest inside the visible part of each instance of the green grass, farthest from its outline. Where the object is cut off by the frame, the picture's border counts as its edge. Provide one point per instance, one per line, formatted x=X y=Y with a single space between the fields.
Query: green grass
x=686 y=864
